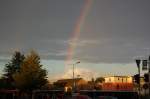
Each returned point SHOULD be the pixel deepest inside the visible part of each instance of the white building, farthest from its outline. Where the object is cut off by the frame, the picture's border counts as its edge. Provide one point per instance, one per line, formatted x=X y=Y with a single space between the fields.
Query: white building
x=118 y=79
x=118 y=83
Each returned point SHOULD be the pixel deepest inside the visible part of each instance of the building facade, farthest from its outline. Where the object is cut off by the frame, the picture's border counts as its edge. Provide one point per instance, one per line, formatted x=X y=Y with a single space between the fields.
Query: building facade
x=68 y=83
x=118 y=83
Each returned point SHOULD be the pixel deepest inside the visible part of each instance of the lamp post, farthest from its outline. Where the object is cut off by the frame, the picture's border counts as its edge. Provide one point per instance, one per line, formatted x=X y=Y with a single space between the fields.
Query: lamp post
x=149 y=73
x=73 y=75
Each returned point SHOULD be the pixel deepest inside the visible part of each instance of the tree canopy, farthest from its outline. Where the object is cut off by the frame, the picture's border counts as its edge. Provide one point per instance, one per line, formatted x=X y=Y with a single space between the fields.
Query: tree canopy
x=12 y=67
x=31 y=74
x=99 y=80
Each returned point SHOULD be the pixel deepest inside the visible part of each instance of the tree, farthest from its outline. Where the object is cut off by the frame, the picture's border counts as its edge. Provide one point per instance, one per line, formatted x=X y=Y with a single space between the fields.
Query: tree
x=99 y=80
x=3 y=84
x=92 y=83
x=12 y=67
x=31 y=75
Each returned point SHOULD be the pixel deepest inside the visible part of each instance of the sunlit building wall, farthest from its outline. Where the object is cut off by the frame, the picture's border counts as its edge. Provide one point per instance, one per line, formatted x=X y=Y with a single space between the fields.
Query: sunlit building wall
x=118 y=79
x=118 y=83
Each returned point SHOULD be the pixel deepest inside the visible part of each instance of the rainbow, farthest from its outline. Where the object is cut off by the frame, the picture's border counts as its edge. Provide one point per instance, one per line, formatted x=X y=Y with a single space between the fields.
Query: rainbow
x=76 y=31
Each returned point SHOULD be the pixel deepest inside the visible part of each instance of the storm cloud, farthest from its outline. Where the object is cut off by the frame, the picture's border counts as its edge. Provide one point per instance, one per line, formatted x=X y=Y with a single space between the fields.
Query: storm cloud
x=115 y=31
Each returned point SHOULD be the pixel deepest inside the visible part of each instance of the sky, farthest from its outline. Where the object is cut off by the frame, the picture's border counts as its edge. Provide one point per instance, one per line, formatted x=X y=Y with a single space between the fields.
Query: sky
x=104 y=35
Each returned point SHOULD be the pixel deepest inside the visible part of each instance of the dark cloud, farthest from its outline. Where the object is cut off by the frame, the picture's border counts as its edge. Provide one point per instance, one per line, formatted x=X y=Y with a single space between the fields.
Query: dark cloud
x=114 y=31
x=121 y=29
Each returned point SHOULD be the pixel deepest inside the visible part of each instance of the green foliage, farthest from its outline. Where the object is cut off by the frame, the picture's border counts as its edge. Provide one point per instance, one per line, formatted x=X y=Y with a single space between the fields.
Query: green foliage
x=31 y=75
x=12 y=67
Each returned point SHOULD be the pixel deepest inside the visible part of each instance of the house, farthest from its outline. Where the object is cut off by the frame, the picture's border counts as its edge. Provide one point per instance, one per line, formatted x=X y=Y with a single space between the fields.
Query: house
x=68 y=83
x=118 y=83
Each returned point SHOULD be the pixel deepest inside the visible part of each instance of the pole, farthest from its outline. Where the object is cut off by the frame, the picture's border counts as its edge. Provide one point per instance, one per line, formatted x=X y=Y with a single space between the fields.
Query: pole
x=73 y=88
x=149 y=74
x=138 y=61
x=74 y=83
x=139 y=82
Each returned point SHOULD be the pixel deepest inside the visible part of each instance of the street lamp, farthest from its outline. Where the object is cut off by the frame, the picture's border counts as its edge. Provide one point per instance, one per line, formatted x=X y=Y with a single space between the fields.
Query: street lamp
x=73 y=74
x=149 y=73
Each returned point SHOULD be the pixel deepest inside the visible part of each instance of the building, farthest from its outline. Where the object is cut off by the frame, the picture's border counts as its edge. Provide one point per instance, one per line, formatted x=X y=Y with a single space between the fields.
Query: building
x=118 y=83
x=68 y=83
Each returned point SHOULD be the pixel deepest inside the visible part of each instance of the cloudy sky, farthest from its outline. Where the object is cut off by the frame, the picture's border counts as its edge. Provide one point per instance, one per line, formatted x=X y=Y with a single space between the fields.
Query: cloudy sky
x=113 y=34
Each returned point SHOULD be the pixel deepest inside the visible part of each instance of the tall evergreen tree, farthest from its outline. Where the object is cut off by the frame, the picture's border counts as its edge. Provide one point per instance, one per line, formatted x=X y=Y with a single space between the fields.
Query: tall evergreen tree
x=31 y=75
x=12 y=67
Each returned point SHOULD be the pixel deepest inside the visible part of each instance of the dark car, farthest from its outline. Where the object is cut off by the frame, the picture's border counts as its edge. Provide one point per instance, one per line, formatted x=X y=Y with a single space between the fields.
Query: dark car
x=78 y=96
x=107 y=97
